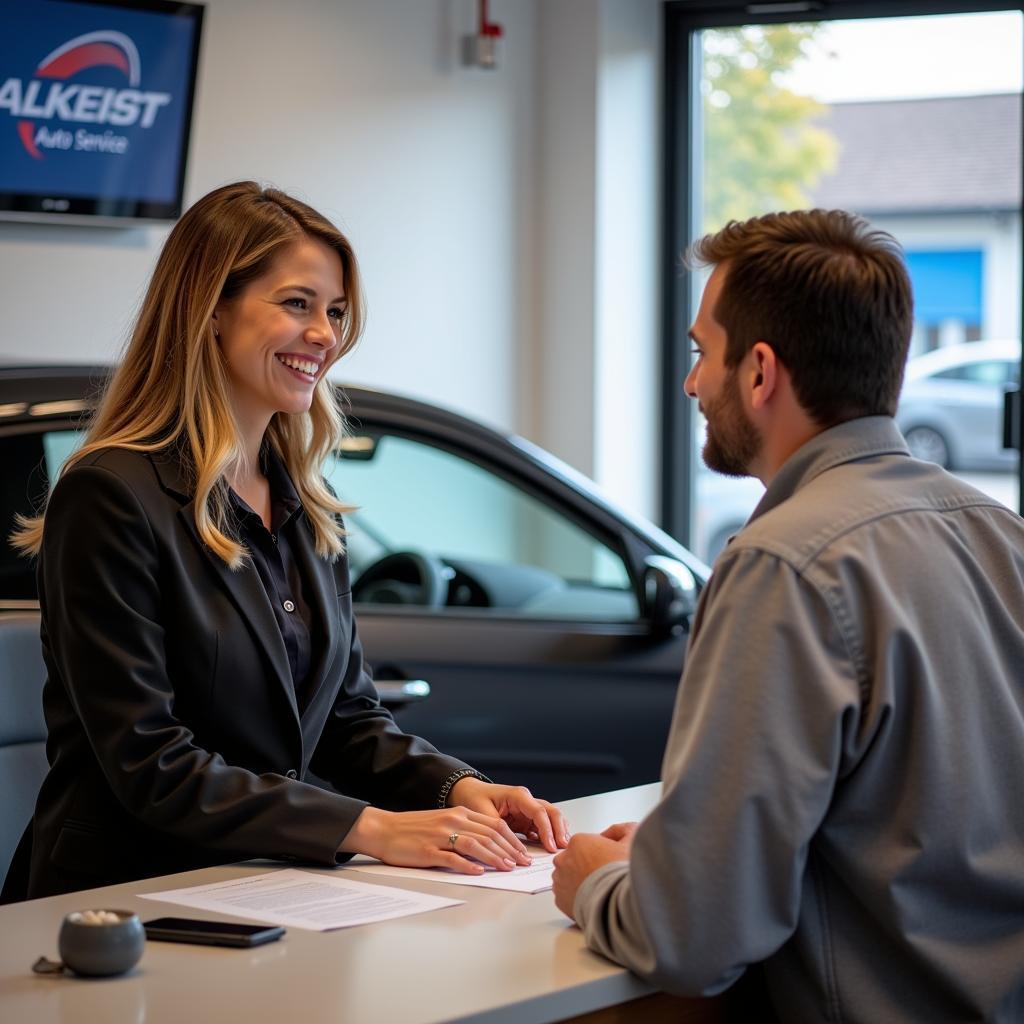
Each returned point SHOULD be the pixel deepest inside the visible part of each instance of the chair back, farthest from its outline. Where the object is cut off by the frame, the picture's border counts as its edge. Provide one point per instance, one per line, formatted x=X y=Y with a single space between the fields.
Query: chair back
x=22 y=729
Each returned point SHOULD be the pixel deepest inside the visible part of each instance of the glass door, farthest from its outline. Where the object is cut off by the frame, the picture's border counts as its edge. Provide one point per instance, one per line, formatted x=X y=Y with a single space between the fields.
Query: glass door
x=913 y=122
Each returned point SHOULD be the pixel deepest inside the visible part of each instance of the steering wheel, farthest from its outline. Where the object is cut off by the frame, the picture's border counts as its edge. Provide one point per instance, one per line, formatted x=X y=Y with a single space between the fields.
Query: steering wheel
x=403 y=577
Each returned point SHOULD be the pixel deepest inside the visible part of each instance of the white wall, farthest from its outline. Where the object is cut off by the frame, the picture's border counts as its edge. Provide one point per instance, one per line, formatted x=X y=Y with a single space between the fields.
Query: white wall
x=362 y=108
x=628 y=274
x=593 y=374
x=1002 y=278
x=506 y=221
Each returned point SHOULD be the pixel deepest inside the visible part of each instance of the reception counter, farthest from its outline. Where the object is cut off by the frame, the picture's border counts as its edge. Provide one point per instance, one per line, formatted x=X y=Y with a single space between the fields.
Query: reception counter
x=500 y=957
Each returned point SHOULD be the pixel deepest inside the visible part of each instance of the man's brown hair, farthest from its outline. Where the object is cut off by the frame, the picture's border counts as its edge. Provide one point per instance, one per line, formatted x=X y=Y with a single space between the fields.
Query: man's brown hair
x=829 y=294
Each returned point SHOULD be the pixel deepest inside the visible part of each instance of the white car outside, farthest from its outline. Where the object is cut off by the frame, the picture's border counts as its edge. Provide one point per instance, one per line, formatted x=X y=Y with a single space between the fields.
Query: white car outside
x=951 y=406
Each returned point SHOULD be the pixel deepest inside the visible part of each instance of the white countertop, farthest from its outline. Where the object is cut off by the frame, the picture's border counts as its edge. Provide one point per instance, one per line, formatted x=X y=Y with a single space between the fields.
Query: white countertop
x=499 y=957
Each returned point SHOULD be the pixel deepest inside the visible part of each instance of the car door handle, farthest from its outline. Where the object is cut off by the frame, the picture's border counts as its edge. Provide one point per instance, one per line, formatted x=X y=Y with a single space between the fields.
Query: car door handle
x=396 y=692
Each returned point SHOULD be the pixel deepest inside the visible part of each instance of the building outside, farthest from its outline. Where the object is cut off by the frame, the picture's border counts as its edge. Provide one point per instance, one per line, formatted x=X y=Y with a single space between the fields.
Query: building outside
x=944 y=176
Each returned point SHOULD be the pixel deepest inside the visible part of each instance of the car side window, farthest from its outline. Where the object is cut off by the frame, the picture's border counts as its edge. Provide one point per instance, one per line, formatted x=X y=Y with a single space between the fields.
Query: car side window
x=58 y=445
x=990 y=371
x=31 y=463
x=496 y=546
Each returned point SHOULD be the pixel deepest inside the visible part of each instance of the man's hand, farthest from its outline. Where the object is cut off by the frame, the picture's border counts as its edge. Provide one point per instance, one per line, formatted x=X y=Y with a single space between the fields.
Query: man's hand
x=517 y=807
x=622 y=831
x=585 y=854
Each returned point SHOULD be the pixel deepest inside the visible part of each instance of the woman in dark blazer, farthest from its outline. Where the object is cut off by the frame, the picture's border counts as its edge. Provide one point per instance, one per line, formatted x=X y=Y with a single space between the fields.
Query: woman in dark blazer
x=197 y=623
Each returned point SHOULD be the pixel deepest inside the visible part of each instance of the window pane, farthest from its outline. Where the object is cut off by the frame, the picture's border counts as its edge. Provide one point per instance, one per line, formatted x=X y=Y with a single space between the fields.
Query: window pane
x=989 y=373
x=31 y=463
x=915 y=124
x=509 y=550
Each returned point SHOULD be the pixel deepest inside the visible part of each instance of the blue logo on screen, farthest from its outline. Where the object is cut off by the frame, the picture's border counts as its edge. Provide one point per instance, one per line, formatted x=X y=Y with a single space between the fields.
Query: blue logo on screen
x=93 y=100
x=46 y=96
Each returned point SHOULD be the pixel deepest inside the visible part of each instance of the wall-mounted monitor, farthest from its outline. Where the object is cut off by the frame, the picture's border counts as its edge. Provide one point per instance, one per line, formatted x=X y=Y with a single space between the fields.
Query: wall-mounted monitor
x=95 y=108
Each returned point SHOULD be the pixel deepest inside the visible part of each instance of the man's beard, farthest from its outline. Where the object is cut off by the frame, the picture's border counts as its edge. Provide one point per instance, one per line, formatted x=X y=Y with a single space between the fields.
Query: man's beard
x=732 y=441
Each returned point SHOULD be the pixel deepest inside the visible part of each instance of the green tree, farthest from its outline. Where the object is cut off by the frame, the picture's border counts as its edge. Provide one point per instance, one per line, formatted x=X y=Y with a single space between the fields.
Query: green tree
x=761 y=147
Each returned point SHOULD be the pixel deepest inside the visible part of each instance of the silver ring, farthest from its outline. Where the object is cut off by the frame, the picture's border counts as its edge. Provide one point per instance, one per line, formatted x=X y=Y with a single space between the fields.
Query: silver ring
x=453 y=839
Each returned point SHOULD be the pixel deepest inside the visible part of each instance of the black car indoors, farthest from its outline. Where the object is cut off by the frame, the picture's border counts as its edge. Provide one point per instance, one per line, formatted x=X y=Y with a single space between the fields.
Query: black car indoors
x=512 y=616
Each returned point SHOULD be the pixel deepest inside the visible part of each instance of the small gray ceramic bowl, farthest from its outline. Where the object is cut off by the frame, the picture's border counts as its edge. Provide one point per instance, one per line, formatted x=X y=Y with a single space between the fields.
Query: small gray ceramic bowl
x=101 y=949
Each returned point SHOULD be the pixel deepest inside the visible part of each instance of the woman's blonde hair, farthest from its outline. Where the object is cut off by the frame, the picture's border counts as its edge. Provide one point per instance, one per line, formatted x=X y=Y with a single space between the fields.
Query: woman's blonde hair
x=171 y=388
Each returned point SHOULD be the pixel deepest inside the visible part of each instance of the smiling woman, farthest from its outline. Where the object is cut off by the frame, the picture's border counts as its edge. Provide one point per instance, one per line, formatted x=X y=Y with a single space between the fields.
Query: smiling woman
x=175 y=386
x=201 y=653
x=278 y=336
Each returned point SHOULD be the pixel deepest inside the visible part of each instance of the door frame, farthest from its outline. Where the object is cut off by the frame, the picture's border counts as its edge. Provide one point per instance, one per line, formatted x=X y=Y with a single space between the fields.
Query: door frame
x=683 y=19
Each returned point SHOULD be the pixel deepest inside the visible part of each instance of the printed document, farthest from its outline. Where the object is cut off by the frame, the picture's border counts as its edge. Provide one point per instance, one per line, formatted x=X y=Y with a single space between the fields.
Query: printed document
x=534 y=878
x=302 y=899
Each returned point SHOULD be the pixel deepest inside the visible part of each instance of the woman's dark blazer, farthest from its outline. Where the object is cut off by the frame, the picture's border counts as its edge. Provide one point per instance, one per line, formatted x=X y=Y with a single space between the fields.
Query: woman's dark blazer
x=174 y=736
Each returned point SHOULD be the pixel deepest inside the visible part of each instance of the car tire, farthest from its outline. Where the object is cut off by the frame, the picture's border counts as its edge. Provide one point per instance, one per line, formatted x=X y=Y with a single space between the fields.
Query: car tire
x=927 y=444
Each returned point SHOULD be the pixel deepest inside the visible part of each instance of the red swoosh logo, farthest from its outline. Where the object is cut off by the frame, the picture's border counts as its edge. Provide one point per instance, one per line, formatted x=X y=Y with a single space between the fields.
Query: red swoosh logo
x=87 y=56
x=27 y=131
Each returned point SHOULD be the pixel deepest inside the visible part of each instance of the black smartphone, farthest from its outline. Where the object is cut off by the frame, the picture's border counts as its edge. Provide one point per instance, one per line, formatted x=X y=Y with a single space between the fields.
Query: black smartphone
x=210 y=933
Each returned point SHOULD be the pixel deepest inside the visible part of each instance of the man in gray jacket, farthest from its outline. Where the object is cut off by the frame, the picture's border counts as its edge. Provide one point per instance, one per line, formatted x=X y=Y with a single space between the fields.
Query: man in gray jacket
x=842 y=797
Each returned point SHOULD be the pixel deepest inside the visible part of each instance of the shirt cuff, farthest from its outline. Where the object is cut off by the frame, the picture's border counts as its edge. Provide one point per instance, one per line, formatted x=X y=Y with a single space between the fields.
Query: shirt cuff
x=593 y=893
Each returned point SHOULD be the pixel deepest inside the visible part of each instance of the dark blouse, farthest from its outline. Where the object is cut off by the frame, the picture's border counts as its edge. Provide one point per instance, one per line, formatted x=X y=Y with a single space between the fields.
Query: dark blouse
x=273 y=558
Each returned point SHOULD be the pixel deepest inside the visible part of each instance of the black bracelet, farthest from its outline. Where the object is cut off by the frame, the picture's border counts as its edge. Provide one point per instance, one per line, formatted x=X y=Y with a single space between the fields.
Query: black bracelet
x=462 y=773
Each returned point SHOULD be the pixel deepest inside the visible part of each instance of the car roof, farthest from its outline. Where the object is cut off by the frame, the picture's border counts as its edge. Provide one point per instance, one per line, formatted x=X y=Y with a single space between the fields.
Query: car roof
x=43 y=393
x=959 y=355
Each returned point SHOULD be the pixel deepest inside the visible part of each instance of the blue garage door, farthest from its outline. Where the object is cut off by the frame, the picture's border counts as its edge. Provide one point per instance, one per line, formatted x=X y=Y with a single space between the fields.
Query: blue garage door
x=947 y=286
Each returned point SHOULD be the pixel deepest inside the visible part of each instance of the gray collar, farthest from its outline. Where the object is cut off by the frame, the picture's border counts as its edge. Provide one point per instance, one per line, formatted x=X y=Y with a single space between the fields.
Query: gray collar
x=857 y=439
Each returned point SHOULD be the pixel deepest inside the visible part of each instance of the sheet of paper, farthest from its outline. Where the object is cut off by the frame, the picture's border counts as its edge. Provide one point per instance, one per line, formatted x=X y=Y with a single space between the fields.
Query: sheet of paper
x=302 y=899
x=535 y=878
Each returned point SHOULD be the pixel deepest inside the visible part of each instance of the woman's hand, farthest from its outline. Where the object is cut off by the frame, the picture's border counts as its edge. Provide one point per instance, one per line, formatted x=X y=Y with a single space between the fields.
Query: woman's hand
x=437 y=839
x=517 y=806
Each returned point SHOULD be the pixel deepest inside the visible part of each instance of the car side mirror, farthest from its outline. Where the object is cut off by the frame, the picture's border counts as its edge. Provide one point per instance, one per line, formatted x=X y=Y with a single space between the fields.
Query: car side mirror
x=670 y=594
